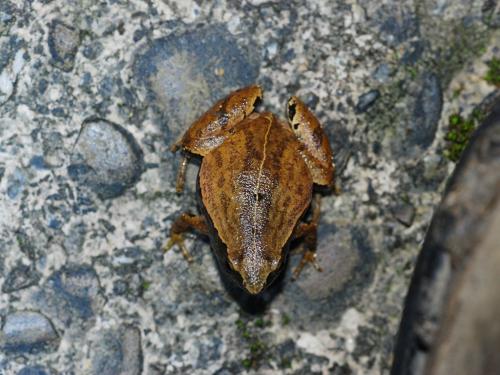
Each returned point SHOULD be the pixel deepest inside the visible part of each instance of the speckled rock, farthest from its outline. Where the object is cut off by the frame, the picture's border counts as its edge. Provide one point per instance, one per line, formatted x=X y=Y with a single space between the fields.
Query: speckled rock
x=15 y=183
x=117 y=352
x=20 y=277
x=404 y=212
x=12 y=61
x=152 y=67
x=33 y=370
x=427 y=112
x=26 y=331
x=63 y=42
x=7 y=16
x=71 y=293
x=347 y=267
x=106 y=158
x=366 y=100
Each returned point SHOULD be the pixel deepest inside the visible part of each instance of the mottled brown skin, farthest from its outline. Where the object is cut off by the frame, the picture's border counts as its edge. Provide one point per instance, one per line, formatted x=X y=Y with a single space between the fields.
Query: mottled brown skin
x=255 y=182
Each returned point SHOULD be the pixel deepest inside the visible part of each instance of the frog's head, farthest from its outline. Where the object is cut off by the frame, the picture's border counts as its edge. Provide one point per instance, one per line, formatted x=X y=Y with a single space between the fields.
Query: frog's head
x=256 y=267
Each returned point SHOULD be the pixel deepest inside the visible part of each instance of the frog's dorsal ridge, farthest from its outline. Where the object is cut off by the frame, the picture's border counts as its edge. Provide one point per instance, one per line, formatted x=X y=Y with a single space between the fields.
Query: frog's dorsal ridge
x=255 y=187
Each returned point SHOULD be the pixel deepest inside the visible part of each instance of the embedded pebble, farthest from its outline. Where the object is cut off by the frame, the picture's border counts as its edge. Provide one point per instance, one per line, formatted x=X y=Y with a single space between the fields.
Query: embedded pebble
x=9 y=74
x=71 y=293
x=25 y=331
x=117 y=352
x=404 y=212
x=382 y=73
x=427 y=111
x=63 y=41
x=366 y=100
x=184 y=73
x=16 y=183
x=7 y=16
x=20 y=277
x=33 y=370
x=106 y=158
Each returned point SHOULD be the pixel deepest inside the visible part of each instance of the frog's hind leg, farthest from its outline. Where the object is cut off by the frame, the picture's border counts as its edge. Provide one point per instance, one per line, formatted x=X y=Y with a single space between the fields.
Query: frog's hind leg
x=316 y=149
x=309 y=233
x=182 y=224
x=215 y=125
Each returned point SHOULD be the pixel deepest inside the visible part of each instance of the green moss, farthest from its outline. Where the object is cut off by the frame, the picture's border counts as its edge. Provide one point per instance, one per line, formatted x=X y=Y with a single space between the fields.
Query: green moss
x=145 y=285
x=286 y=363
x=261 y=323
x=493 y=74
x=285 y=319
x=412 y=71
x=247 y=363
x=459 y=132
x=256 y=348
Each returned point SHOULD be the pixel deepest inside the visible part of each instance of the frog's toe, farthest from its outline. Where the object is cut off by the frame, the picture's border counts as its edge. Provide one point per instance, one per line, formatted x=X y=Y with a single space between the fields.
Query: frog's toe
x=178 y=239
x=308 y=256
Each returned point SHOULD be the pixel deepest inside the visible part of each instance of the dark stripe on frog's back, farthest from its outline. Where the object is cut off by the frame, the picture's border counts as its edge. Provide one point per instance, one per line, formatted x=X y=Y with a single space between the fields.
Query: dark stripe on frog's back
x=242 y=153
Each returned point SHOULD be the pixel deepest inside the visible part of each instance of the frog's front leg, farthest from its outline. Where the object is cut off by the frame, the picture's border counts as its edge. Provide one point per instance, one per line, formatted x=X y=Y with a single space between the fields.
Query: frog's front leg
x=309 y=233
x=182 y=224
x=215 y=125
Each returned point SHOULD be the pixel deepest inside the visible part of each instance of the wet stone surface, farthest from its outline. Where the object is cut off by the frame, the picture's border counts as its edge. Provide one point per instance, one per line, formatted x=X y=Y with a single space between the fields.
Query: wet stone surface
x=26 y=331
x=92 y=96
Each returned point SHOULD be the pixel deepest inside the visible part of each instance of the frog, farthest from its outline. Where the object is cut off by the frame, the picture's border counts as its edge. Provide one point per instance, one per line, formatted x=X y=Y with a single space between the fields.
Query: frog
x=254 y=186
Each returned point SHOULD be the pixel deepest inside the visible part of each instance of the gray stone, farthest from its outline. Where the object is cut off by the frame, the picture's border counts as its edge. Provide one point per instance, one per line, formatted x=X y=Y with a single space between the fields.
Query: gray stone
x=106 y=158
x=396 y=25
x=53 y=149
x=427 y=111
x=131 y=260
x=7 y=16
x=382 y=73
x=346 y=256
x=12 y=60
x=181 y=73
x=71 y=293
x=63 y=41
x=132 y=351
x=33 y=370
x=366 y=100
x=25 y=331
x=75 y=238
x=20 y=277
x=404 y=212
x=209 y=351
x=16 y=183
x=117 y=352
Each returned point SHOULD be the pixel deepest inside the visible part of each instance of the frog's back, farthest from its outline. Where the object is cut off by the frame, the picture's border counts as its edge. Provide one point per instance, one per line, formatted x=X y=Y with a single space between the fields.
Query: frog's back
x=255 y=187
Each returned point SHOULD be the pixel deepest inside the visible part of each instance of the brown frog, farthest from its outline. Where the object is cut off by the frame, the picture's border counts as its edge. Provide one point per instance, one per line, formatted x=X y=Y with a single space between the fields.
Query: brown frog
x=255 y=184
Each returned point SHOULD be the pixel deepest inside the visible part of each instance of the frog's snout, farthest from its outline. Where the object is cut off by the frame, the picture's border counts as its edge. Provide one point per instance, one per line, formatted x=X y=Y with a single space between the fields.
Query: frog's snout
x=254 y=287
x=254 y=274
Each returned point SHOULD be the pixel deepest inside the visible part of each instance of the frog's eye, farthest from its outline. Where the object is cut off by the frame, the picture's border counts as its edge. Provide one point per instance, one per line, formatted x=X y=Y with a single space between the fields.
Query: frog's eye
x=257 y=102
x=292 y=111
